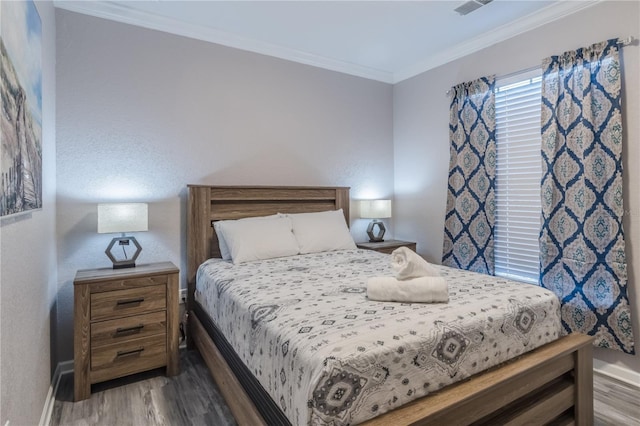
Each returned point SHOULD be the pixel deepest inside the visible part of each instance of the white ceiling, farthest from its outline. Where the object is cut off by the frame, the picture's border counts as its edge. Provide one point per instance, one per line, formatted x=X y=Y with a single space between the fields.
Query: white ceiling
x=387 y=41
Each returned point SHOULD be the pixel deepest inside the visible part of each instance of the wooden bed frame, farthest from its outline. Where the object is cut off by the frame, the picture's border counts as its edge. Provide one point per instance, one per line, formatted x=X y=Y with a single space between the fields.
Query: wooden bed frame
x=553 y=383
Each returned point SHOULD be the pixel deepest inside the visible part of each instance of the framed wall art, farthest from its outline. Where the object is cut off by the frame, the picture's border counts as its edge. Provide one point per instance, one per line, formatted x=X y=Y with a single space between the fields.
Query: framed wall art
x=21 y=113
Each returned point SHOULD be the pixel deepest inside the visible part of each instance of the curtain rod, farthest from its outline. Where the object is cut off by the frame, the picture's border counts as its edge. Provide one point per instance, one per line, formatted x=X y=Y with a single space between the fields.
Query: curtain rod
x=621 y=42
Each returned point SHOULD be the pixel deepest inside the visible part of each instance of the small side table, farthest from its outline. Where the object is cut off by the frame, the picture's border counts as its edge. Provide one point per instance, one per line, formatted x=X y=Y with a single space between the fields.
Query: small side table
x=125 y=321
x=387 y=246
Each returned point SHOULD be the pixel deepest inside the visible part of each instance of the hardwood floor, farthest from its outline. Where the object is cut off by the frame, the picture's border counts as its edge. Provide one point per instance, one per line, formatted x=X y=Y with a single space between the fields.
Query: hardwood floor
x=192 y=398
x=615 y=402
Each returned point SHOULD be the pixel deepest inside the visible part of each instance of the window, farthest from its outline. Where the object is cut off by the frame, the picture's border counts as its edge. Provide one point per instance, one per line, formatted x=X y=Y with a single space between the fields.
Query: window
x=518 y=175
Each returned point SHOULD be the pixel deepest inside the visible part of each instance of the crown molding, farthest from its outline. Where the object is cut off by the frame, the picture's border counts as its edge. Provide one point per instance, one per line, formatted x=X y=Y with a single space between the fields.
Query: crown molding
x=534 y=20
x=121 y=13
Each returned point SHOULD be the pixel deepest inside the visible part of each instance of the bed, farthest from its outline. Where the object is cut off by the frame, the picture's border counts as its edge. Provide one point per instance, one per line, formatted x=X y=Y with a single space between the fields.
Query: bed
x=552 y=383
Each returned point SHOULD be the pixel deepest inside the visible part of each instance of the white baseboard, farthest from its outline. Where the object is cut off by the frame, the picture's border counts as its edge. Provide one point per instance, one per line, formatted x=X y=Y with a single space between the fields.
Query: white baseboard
x=62 y=368
x=617 y=372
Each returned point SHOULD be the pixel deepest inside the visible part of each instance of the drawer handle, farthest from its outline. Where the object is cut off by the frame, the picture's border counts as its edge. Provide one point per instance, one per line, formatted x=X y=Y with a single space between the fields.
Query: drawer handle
x=127 y=353
x=133 y=329
x=130 y=301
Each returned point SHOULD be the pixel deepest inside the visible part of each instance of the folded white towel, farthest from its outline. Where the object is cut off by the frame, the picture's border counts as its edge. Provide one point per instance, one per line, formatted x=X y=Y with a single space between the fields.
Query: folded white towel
x=422 y=289
x=408 y=264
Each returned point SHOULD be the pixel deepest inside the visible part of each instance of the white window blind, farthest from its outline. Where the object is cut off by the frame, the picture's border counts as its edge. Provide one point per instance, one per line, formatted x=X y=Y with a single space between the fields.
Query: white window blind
x=518 y=174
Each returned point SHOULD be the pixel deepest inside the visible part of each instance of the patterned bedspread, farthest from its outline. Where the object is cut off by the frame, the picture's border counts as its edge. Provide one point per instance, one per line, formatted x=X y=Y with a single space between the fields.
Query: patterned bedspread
x=328 y=356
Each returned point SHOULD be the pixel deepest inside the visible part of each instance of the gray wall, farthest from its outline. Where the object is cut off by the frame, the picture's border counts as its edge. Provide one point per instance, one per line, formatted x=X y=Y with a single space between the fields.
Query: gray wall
x=28 y=265
x=421 y=146
x=141 y=114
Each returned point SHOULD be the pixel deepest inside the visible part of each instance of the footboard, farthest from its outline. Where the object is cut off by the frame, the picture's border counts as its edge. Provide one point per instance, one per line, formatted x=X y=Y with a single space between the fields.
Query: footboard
x=551 y=383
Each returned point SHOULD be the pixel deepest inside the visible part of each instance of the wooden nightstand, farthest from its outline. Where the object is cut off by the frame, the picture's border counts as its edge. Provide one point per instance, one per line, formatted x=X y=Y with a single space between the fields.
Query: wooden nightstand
x=387 y=246
x=125 y=322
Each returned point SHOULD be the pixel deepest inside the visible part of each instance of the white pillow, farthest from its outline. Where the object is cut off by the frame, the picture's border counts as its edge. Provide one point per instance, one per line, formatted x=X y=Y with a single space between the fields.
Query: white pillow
x=322 y=231
x=222 y=243
x=249 y=240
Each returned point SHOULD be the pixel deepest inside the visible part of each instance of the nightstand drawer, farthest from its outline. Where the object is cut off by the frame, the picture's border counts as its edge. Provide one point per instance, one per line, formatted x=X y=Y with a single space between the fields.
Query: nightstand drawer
x=123 y=329
x=128 y=283
x=136 y=355
x=120 y=303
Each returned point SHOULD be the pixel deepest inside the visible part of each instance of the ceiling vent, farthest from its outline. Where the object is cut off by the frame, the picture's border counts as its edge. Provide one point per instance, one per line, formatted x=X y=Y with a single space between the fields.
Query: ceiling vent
x=470 y=6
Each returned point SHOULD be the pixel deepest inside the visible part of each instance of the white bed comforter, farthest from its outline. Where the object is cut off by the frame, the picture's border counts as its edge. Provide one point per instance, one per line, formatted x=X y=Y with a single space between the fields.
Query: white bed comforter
x=328 y=356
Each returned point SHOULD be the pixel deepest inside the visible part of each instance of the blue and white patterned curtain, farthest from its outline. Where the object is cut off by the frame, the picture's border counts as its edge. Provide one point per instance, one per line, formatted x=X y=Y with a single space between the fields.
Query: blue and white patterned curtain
x=582 y=249
x=470 y=216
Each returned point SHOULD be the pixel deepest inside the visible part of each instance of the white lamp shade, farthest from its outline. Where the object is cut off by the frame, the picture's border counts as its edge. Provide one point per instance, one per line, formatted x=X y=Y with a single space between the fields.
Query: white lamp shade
x=375 y=209
x=122 y=217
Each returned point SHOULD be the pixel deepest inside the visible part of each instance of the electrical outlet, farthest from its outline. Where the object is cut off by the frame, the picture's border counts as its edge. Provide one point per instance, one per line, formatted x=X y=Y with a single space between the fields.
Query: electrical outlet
x=183 y=295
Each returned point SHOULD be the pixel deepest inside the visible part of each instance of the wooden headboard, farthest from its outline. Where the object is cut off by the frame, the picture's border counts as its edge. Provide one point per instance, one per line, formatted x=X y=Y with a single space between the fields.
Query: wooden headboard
x=207 y=204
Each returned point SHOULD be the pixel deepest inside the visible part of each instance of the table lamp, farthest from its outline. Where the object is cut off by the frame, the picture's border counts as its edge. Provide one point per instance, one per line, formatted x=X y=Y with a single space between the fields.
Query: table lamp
x=122 y=218
x=375 y=209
